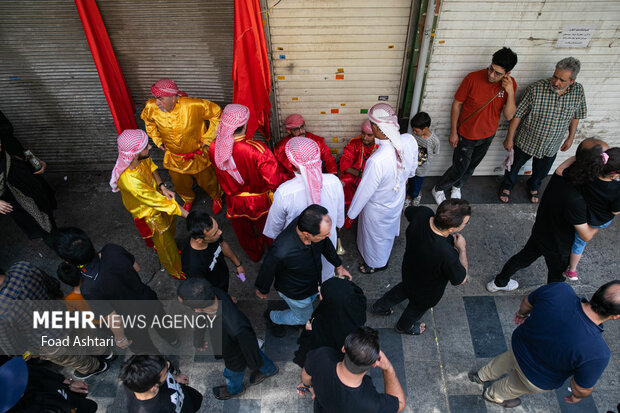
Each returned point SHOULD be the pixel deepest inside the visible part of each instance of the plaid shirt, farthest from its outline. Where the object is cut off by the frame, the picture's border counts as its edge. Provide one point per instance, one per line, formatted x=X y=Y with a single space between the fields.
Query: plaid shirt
x=545 y=117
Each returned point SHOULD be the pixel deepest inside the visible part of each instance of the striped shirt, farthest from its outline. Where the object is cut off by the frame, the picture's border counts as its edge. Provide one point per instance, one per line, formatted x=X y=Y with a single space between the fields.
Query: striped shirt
x=545 y=117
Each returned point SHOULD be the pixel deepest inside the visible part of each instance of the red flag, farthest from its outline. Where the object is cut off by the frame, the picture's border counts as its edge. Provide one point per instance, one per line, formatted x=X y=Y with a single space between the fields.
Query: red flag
x=251 y=79
x=112 y=80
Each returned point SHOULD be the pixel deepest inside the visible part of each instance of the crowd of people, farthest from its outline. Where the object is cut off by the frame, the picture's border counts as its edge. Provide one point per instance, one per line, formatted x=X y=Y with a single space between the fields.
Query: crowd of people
x=286 y=208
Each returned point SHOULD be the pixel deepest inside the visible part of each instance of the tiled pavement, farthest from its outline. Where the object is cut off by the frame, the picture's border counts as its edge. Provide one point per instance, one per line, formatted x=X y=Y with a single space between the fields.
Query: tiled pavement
x=464 y=331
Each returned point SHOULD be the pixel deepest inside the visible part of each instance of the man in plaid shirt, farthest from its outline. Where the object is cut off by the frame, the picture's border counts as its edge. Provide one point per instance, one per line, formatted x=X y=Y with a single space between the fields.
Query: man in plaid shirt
x=547 y=110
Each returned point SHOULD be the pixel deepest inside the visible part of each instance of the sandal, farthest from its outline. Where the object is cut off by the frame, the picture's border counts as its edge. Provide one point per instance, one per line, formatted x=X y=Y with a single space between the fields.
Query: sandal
x=504 y=193
x=365 y=269
x=416 y=330
x=534 y=197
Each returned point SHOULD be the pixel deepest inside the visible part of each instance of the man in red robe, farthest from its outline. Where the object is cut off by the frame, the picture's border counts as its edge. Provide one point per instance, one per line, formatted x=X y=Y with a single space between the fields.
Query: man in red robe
x=248 y=173
x=353 y=160
x=296 y=126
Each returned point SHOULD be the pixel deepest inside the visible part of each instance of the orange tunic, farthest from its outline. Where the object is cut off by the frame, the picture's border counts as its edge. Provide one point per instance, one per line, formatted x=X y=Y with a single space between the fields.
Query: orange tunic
x=183 y=132
x=286 y=168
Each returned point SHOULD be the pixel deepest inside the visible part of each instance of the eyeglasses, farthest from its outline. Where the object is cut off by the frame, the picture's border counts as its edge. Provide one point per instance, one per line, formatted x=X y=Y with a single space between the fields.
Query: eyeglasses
x=491 y=70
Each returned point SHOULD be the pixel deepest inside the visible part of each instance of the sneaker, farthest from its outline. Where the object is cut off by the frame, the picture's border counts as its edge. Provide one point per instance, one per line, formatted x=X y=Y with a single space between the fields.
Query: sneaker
x=438 y=195
x=277 y=330
x=257 y=377
x=103 y=366
x=109 y=358
x=407 y=203
x=474 y=378
x=416 y=200
x=455 y=193
x=571 y=275
x=511 y=286
x=222 y=393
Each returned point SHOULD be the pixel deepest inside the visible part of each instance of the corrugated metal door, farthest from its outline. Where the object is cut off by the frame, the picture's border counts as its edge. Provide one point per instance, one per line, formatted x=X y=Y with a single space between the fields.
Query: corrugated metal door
x=468 y=33
x=333 y=60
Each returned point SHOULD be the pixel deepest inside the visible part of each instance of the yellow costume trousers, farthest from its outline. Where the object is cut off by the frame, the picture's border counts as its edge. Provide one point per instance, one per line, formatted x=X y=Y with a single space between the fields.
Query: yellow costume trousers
x=167 y=249
x=206 y=180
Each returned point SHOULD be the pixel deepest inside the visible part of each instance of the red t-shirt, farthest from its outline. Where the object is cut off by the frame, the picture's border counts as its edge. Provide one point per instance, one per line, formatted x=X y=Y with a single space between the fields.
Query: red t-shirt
x=474 y=92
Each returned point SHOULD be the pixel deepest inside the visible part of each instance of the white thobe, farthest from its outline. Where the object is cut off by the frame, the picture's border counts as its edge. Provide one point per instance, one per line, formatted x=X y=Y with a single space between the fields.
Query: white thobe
x=291 y=198
x=379 y=207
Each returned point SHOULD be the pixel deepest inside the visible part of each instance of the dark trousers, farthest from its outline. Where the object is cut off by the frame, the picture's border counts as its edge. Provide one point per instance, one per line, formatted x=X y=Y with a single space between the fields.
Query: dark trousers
x=398 y=294
x=556 y=263
x=415 y=186
x=466 y=157
x=141 y=340
x=540 y=169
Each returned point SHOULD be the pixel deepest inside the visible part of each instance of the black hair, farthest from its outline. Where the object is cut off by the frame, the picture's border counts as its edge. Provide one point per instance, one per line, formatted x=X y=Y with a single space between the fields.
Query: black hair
x=197 y=222
x=73 y=245
x=140 y=373
x=196 y=292
x=238 y=130
x=451 y=213
x=310 y=219
x=69 y=274
x=505 y=58
x=421 y=120
x=361 y=349
x=605 y=302
x=588 y=165
x=613 y=163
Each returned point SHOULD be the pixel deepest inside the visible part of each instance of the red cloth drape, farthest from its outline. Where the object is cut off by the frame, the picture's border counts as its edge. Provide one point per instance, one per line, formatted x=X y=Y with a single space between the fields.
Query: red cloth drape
x=112 y=80
x=251 y=79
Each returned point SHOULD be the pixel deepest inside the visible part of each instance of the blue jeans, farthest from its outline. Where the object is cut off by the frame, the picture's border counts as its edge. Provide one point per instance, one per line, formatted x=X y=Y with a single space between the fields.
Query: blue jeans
x=415 y=186
x=540 y=169
x=300 y=311
x=234 y=379
x=579 y=245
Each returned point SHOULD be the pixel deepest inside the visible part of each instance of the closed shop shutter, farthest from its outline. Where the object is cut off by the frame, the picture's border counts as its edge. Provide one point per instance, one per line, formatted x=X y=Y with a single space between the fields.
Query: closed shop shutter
x=333 y=60
x=468 y=33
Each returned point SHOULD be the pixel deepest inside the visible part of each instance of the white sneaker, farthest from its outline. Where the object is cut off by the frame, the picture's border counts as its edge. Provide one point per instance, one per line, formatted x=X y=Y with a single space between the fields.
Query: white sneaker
x=455 y=193
x=511 y=286
x=407 y=203
x=438 y=195
x=416 y=200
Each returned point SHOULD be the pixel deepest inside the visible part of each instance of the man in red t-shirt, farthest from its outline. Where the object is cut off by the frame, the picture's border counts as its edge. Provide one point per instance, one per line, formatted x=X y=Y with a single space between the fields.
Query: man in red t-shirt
x=478 y=103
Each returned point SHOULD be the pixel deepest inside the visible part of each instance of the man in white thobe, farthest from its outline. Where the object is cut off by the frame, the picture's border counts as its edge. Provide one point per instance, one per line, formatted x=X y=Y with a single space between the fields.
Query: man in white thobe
x=379 y=198
x=310 y=186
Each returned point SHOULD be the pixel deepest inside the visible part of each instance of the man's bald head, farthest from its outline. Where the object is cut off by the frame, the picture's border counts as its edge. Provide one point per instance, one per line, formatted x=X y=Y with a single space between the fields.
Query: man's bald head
x=606 y=300
x=591 y=143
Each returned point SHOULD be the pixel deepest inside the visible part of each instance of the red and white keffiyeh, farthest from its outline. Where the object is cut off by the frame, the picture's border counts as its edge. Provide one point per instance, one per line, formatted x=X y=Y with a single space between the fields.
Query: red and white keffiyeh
x=305 y=155
x=384 y=116
x=366 y=127
x=294 y=121
x=166 y=87
x=130 y=143
x=233 y=117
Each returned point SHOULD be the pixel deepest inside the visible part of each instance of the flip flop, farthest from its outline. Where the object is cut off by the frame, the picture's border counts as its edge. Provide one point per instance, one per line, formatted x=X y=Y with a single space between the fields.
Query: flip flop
x=503 y=192
x=365 y=269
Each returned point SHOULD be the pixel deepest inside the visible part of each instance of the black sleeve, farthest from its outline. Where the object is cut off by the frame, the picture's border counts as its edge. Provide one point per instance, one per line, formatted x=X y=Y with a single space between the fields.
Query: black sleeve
x=577 y=212
x=267 y=271
x=453 y=269
x=249 y=347
x=329 y=252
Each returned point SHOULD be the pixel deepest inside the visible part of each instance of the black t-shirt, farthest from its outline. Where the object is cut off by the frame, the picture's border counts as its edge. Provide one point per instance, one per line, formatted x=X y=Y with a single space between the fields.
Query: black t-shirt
x=561 y=208
x=333 y=396
x=602 y=198
x=209 y=263
x=172 y=397
x=112 y=277
x=430 y=260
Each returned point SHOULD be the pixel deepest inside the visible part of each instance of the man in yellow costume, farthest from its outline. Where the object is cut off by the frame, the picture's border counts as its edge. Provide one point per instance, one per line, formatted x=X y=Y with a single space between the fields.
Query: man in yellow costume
x=176 y=124
x=144 y=195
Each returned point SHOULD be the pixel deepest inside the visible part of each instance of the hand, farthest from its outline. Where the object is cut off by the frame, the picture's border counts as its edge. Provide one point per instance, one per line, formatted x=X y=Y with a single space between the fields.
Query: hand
x=181 y=378
x=163 y=147
x=342 y=272
x=566 y=145
x=519 y=319
x=168 y=193
x=240 y=269
x=383 y=362
x=309 y=325
x=5 y=207
x=572 y=399
x=508 y=85
x=79 y=386
x=205 y=346
x=348 y=223
x=508 y=144
x=43 y=166
x=454 y=139
x=184 y=213
x=261 y=295
x=123 y=342
x=303 y=393
x=459 y=241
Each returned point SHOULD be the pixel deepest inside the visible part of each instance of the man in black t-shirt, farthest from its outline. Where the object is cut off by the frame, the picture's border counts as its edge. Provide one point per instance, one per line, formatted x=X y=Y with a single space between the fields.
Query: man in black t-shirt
x=435 y=255
x=339 y=384
x=203 y=256
x=151 y=388
x=562 y=211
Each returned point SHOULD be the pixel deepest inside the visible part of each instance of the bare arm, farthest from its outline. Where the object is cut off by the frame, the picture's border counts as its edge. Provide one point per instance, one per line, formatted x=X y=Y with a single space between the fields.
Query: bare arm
x=578 y=392
x=117 y=329
x=460 y=245
x=572 y=128
x=524 y=311
x=392 y=385
x=454 y=119
x=586 y=232
x=509 y=141
x=352 y=171
x=510 y=108
x=230 y=254
x=560 y=169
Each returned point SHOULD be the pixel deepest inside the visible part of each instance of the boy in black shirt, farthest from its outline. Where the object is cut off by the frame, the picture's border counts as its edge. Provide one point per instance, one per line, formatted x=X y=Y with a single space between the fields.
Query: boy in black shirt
x=151 y=388
x=340 y=384
x=203 y=256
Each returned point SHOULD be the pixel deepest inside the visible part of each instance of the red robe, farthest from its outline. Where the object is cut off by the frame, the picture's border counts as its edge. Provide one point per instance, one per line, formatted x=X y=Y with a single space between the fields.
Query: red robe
x=354 y=155
x=247 y=205
x=284 y=165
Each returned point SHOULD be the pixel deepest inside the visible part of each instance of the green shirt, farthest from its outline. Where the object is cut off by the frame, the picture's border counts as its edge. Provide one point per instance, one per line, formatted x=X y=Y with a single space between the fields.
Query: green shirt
x=545 y=117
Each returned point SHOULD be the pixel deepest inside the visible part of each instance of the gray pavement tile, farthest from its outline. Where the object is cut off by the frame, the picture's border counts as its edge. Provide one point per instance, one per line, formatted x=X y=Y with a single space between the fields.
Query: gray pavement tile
x=586 y=405
x=241 y=406
x=282 y=349
x=392 y=347
x=278 y=393
x=467 y=403
x=426 y=388
x=484 y=326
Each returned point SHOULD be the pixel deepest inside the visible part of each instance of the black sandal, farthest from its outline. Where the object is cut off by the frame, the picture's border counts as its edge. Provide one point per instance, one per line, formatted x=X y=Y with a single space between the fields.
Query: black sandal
x=502 y=192
x=365 y=269
x=534 y=197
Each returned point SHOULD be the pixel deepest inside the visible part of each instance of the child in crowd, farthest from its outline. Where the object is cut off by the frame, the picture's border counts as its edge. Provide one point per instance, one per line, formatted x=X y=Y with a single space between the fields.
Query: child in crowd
x=74 y=301
x=151 y=388
x=428 y=146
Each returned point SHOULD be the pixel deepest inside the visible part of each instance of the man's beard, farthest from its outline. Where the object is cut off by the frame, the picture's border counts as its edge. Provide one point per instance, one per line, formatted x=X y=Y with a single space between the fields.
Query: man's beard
x=142 y=157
